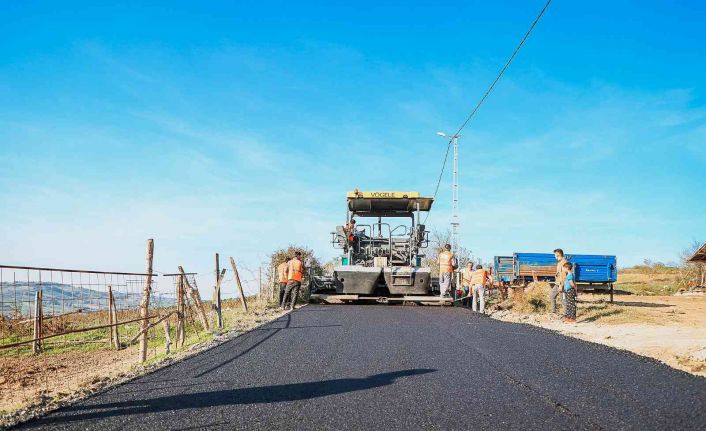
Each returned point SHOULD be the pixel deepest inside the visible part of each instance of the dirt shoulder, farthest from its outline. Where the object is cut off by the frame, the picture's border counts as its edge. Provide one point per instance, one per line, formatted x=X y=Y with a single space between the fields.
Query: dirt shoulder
x=31 y=386
x=671 y=329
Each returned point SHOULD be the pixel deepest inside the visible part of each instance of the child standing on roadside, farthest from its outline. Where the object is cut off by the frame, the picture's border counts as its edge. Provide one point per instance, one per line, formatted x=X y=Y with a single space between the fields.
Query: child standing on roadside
x=569 y=294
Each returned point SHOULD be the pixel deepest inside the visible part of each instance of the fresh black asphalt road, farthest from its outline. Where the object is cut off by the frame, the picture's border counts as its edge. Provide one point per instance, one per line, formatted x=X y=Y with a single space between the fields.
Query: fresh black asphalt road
x=398 y=368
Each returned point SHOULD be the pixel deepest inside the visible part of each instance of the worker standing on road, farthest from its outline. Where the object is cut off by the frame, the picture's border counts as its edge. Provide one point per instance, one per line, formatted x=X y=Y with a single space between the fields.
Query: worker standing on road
x=295 y=273
x=446 y=269
x=559 y=280
x=478 y=280
x=569 y=294
x=466 y=282
x=282 y=277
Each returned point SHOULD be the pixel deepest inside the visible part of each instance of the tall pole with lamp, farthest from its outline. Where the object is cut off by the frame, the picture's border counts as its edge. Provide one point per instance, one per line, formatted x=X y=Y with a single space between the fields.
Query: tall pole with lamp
x=454 y=191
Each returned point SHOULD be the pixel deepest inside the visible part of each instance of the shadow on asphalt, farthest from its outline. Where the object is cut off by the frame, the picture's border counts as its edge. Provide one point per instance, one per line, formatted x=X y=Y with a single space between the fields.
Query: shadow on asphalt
x=300 y=327
x=254 y=333
x=314 y=310
x=263 y=394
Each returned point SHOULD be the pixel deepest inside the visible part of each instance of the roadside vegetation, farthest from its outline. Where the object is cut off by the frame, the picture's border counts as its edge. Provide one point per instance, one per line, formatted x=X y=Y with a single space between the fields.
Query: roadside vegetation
x=657 y=278
x=84 y=362
x=651 y=279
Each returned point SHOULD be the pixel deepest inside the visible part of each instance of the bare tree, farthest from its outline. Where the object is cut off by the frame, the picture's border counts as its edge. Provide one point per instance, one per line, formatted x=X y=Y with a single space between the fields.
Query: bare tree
x=330 y=265
x=310 y=260
x=690 y=271
x=437 y=241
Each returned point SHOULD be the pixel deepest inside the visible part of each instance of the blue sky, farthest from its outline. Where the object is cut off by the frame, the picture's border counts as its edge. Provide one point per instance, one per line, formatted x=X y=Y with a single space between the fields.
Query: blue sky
x=238 y=126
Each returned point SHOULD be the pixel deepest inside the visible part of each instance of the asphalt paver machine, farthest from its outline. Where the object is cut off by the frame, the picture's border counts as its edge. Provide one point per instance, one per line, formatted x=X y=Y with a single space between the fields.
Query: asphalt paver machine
x=382 y=246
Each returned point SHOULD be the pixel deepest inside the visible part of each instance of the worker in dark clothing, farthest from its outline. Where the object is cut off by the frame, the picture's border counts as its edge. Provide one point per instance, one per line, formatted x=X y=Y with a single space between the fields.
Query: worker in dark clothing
x=295 y=273
x=282 y=278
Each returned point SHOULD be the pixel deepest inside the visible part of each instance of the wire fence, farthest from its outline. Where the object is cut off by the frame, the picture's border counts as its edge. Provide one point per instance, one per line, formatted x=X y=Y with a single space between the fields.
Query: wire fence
x=63 y=331
x=69 y=300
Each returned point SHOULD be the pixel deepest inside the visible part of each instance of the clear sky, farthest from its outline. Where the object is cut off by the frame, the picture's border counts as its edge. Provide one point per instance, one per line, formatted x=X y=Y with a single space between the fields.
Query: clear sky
x=238 y=126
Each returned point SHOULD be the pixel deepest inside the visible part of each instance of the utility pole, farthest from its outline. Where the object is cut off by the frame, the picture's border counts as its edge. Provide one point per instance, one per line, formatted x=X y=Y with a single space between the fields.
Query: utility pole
x=454 y=192
x=454 y=211
x=217 y=292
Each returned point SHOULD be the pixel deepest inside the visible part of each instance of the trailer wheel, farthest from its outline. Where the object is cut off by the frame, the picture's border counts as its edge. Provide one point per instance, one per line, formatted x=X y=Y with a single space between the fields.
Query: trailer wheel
x=611 y=293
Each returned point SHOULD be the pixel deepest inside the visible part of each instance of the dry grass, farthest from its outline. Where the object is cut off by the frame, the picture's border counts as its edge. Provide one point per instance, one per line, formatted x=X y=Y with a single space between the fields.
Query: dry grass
x=641 y=280
x=659 y=279
x=534 y=299
x=650 y=281
x=614 y=314
x=26 y=380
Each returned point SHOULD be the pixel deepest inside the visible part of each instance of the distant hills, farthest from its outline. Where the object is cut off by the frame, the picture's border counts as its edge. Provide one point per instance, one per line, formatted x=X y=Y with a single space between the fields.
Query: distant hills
x=57 y=298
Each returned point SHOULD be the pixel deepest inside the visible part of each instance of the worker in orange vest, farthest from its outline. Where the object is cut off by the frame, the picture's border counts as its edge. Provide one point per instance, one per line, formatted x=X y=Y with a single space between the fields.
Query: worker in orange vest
x=352 y=239
x=282 y=277
x=479 y=279
x=446 y=269
x=295 y=273
x=350 y=231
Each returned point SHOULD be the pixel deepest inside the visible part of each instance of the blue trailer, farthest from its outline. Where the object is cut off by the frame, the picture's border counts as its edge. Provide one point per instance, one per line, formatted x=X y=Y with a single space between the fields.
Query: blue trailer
x=592 y=272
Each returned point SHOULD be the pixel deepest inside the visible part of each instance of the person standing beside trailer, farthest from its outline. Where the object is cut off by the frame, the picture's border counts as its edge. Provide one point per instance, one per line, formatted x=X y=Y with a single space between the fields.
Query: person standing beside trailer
x=569 y=295
x=559 y=277
x=295 y=273
x=466 y=278
x=282 y=277
x=478 y=281
x=446 y=269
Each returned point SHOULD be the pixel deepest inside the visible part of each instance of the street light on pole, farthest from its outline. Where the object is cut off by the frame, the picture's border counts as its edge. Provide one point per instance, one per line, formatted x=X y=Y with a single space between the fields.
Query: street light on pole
x=454 y=191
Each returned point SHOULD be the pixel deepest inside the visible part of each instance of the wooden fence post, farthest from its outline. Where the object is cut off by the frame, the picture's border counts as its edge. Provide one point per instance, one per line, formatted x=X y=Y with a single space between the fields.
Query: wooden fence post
x=167 y=337
x=113 y=319
x=111 y=341
x=145 y=304
x=194 y=293
x=115 y=322
x=180 y=336
x=217 y=293
x=240 y=286
x=37 y=344
x=215 y=285
x=221 y=276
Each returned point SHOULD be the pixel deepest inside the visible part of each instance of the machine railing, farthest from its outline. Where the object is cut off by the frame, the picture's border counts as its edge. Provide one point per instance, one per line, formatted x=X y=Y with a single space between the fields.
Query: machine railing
x=399 y=249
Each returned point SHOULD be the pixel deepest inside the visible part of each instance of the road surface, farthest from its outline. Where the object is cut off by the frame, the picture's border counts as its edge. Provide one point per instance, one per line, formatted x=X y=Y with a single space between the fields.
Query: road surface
x=398 y=368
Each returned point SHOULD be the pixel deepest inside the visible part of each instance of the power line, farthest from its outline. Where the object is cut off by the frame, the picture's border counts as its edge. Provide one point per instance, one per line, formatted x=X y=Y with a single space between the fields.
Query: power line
x=441 y=174
x=502 y=71
x=487 y=93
